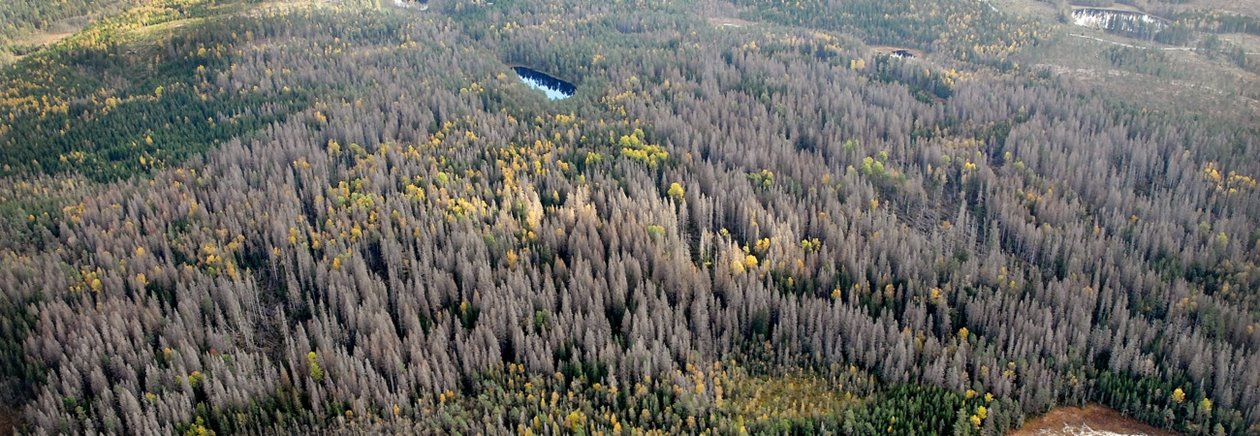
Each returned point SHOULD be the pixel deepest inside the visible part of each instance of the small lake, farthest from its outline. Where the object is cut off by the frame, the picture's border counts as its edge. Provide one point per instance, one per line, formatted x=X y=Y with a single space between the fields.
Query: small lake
x=555 y=89
x=1130 y=23
x=898 y=52
x=418 y=4
x=903 y=54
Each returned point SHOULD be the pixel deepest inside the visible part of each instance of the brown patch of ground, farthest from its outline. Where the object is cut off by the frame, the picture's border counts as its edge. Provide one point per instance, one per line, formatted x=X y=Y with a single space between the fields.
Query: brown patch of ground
x=721 y=13
x=1239 y=7
x=46 y=38
x=1188 y=80
x=1034 y=9
x=8 y=421
x=41 y=39
x=1069 y=420
x=1249 y=43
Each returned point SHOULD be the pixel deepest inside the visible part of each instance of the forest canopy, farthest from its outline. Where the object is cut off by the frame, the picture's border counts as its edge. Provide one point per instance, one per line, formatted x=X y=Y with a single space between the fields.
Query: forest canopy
x=756 y=216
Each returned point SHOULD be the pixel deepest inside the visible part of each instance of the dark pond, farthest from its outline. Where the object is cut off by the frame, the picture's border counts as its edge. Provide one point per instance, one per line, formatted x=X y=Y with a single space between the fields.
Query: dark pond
x=902 y=54
x=419 y=4
x=555 y=89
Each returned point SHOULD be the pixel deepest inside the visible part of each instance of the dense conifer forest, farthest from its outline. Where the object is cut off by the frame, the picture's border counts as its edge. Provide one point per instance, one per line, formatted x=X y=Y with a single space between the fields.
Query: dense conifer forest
x=284 y=216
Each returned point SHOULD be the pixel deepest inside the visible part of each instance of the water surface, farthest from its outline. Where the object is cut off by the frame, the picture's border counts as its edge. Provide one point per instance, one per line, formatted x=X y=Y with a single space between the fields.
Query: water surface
x=554 y=88
x=1132 y=23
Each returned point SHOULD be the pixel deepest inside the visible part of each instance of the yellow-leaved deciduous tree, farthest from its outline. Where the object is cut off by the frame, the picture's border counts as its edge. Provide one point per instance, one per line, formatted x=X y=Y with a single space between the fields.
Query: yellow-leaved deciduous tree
x=512 y=258
x=762 y=245
x=633 y=146
x=1178 y=396
x=533 y=210
x=317 y=373
x=750 y=261
x=676 y=191
x=575 y=420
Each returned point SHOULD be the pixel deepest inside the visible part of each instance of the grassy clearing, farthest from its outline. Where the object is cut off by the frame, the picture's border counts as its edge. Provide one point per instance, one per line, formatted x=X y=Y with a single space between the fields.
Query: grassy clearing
x=792 y=394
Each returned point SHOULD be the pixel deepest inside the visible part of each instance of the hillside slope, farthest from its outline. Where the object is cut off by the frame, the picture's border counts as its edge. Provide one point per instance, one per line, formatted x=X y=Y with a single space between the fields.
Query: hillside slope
x=301 y=216
x=28 y=25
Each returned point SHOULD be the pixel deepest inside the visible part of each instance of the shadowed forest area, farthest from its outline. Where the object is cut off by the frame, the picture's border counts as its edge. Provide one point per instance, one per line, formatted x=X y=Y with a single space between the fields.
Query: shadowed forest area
x=238 y=216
